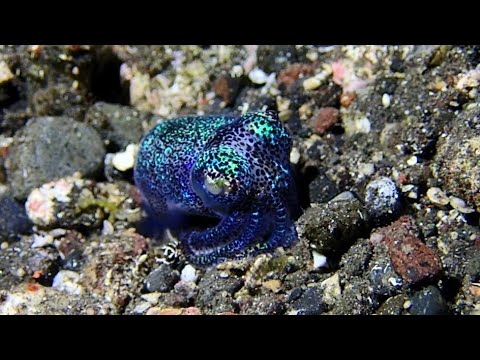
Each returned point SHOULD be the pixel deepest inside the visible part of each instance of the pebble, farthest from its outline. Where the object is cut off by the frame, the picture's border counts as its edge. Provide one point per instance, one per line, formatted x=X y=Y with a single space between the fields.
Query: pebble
x=322 y=189
x=412 y=160
x=258 y=76
x=294 y=155
x=428 y=301
x=41 y=240
x=5 y=73
x=386 y=99
x=382 y=200
x=125 y=160
x=414 y=261
x=54 y=203
x=310 y=302
x=152 y=298
x=13 y=219
x=67 y=281
x=332 y=227
x=331 y=289
x=107 y=228
x=189 y=273
x=437 y=196
x=142 y=307
x=162 y=279
x=312 y=83
x=367 y=169
x=362 y=125
x=49 y=148
x=459 y=205
x=273 y=285
x=319 y=260
x=118 y=125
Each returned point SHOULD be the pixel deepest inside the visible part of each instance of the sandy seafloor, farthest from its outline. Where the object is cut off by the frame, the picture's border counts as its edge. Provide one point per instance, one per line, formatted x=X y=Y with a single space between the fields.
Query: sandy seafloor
x=386 y=148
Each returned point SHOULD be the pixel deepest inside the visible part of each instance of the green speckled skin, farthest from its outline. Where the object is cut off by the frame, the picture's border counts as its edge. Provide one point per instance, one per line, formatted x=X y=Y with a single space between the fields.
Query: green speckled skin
x=235 y=168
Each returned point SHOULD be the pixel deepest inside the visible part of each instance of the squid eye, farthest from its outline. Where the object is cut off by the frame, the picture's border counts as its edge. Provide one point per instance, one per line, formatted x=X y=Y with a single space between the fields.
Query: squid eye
x=217 y=186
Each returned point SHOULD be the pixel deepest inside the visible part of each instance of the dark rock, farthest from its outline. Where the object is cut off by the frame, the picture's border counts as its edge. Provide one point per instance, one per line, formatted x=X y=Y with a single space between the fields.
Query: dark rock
x=215 y=293
x=385 y=281
x=264 y=305
x=310 y=302
x=355 y=261
x=382 y=200
x=332 y=227
x=457 y=158
x=273 y=58
x=322 y=189
x=356 y=299
x=294 y=294
x=49 y=148
x=473 y=265
x=13 y=219
x=117 y=125
x=162 y=279
x=393 y=305
x=428 y=301
x=74 y=261
x=255 y=100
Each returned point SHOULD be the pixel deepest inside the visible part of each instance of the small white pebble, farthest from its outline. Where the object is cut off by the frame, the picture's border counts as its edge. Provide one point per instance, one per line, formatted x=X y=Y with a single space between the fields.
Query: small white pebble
x=312 y=56
x=223 y=274
x=319 y=260
x=311 y=83
x=407 y=304
x=189 y=273
x=125 y=160
x=363 y=125
x=237 y=71
x=366 y=169
x=412 y=160
x=294 y=156
x=459 y=204
x=437 y=196
x=386 y=99
x=75 y=70
x=258 y=76
x=107 y=228
x=21 y=272
x=41 y=240
x=4 y=245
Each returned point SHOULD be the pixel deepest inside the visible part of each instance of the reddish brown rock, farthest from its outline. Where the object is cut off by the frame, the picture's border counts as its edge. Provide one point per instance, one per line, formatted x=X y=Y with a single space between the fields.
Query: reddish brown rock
x=324 y=120
x=347 y=98
x=411 y=258
x=227 y=87
x=291 y=73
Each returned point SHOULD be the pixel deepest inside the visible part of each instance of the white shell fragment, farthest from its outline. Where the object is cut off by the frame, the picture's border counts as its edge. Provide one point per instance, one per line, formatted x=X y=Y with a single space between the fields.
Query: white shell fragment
x=437 y=196
x=459 y=205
